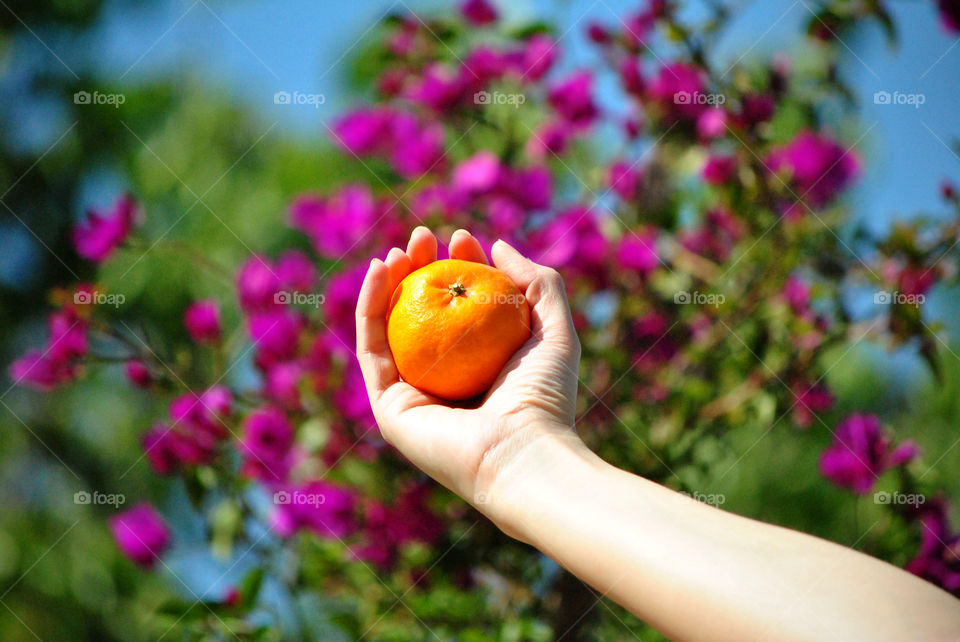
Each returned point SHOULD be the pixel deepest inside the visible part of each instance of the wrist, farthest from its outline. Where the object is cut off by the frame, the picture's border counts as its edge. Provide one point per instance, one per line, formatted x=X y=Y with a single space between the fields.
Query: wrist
x=527 y=471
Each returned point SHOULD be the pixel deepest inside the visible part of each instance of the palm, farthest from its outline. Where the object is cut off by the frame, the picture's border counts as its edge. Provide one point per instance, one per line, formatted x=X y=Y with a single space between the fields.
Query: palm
x=536 y=387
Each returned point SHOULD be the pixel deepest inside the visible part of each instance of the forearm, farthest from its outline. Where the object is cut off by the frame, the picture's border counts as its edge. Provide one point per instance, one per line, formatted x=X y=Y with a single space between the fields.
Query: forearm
x=696 y=572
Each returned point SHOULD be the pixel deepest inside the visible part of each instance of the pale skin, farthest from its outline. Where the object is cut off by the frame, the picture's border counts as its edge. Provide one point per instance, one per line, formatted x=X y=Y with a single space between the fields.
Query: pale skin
x=690 y=570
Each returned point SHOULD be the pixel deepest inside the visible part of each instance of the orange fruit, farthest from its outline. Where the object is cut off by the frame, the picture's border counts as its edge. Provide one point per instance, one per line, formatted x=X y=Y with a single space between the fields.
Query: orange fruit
x=452 y=326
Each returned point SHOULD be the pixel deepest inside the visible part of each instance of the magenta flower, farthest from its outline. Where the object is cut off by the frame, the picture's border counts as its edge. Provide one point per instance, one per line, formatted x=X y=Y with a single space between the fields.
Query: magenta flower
x=625 y=180
x=572 y=100
x=282 y=384
x=572 y=240
x=639 y=252
x=416 y=149
x=478 y=12
x=549 y=139
x=676 y=89
x=938 y=559
x=719 y=169
x=537 y=57
x=352 y=400
x=530 y=188
x=338 y=224
x=98 y=236
x=386 y=528
x=756 y=109
x=276 y=335
x=712 y=123
x=56 y=363
x=266 y=445
x=339 y=309
x=810 y=400
x=138 y=374
x=860 y=453
x=477 y=174
x=949 y=14
x=364 y=131
x=141 y=534
x=631 y=78
x=296 y=272
x=166 y=449
x=796 y=292
x=818 y=167
x=257 y=284
x=438 y=88
x=202 y=320
x=916 y=280
x=319 y=507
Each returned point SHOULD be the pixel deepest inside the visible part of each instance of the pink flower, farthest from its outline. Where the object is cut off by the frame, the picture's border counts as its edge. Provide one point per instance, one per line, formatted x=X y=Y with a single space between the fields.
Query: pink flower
x=96 y=238
x=338 y=224
x=388 y=527
x=282 y=384
x=571 y=240
x=202 y=320
x=712 y=123
x=549 y=139
x=537 y=57
x=417 y=149
x=296 y=272
x=351 y=398
x=796 y=292
x=719 y=169
x=630 y=76
x=56 y=364
x=141 y=534
x=364 y=131
x=916 y=280
x=860 y=453
x=138 y=374
x=257 y=284
x=265 y=444
x=638 y=252
x=319 y=507
x=756 y=109
x=625 y=180
x=477 y=174
x=276 y=335
x=439 y=88
x=676 y=89
x=572 y=100
x=340 y=306
x=938 y=559
x=949 y=14
x=478 y=12
x=818 y=167
x=810 y=400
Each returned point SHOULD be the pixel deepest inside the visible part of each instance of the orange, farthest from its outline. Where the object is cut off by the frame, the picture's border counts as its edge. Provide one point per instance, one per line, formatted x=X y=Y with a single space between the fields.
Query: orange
x=452 y=326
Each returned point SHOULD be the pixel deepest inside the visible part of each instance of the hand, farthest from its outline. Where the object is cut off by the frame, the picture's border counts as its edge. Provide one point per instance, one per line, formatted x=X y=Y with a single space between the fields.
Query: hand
x=468 y=449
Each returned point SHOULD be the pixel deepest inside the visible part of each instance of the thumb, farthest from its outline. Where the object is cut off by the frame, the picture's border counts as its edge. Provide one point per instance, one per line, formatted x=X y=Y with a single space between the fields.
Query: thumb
x=543 y=286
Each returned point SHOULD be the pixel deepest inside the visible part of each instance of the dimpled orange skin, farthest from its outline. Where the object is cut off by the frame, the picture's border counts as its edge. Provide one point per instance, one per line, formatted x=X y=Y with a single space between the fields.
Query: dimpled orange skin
x=453 y=325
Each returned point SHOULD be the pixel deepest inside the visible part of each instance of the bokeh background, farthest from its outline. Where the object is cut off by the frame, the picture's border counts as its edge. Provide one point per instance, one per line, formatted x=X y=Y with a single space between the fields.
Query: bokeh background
x=201 y=140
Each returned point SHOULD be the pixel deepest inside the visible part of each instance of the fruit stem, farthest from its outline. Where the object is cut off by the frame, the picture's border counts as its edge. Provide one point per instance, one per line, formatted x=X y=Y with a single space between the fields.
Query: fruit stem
x=457 y=289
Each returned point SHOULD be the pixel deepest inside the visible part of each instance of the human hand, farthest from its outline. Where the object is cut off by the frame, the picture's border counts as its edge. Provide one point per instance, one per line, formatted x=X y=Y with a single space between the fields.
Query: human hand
x=468 y=449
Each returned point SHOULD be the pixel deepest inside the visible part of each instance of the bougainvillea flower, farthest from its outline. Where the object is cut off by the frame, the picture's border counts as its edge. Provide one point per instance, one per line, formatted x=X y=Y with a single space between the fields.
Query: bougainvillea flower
x=572 y=99
x=337 y=224
x=938 y=559
x=719 y=169
x=949 y=14
x=860 y=453
x=638 y=252
x=624 y=179
x=257 y=284
x=275 y=334
x=319 y=507
x=137 y=373
x=818 y=167
x=478 y=12
x=141 y=534
x=296 y=272
x=202 y=320
x=265 y=444
x=99 y=235
x=478 y=174
x=676 y=88
x=809 y=401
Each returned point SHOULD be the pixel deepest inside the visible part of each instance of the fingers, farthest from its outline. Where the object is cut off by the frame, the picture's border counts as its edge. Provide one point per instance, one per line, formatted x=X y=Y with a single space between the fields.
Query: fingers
x=422 y=248
x=543 y=286
x=465 y=247
x=373 y=352
x=399 y=264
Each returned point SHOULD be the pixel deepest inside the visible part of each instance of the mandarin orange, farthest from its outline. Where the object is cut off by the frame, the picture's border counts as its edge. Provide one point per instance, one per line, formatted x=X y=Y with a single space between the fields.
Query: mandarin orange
x=453 y=325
